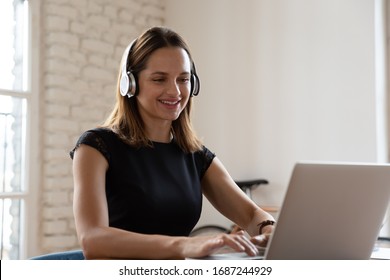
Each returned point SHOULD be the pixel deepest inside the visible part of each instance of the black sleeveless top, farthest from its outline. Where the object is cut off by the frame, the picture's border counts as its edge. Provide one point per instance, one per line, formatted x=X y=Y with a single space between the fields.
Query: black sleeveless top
x=152 y=190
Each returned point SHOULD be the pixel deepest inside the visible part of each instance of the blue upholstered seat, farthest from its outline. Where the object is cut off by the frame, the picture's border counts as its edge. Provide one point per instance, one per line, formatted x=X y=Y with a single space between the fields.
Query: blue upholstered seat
x=67 y=255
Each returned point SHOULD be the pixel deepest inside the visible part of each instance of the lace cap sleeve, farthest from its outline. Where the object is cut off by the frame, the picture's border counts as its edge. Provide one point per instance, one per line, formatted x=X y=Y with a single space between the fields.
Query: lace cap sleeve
x=94 y=140
x=204 y=158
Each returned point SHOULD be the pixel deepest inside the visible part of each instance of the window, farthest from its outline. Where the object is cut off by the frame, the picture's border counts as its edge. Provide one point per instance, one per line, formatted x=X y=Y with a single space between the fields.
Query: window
x=15 y=97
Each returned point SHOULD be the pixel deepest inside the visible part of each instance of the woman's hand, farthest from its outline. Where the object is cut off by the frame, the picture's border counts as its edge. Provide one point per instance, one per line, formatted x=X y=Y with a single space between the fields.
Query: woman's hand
x=262 y=239
x=202 y=246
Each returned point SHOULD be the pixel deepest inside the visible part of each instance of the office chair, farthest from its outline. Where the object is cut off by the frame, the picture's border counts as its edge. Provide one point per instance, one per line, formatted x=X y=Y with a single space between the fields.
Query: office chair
x=67 y=255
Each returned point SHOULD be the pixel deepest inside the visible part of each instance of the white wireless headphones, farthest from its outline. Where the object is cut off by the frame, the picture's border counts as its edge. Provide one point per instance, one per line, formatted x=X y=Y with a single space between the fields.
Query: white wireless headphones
x=128 y=83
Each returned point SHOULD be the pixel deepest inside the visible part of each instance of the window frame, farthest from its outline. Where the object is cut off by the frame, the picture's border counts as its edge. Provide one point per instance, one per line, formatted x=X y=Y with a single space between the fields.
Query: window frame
x=29 y=215
x=33 y=148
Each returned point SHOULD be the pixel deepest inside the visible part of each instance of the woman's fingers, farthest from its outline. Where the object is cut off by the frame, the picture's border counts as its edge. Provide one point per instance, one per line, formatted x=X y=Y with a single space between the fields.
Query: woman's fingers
x=240 y=243
x=260 y=240
x=201 y=246
x=206 y=245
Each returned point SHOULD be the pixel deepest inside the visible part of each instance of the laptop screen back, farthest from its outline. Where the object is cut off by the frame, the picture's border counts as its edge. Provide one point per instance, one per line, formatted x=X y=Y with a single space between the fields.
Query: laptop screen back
x=331 y=211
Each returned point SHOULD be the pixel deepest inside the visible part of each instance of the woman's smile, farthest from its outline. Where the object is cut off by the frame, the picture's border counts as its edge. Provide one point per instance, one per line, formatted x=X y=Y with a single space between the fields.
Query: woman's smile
x=170 y=103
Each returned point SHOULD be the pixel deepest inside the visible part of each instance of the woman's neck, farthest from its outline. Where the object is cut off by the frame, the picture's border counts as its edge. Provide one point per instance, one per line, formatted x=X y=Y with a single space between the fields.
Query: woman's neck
x=160 y=133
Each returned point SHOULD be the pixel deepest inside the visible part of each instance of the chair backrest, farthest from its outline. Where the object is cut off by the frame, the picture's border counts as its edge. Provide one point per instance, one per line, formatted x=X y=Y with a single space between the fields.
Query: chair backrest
x=67 y=255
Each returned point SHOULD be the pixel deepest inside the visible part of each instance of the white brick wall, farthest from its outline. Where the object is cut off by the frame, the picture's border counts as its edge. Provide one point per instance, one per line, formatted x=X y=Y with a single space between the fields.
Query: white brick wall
x=82 y=44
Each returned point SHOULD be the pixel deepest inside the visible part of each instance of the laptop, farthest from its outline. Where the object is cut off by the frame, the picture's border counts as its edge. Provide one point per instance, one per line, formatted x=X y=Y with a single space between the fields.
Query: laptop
x=330 y=211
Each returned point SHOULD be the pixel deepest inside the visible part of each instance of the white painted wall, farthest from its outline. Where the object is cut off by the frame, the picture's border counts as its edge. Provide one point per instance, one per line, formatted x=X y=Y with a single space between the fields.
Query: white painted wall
x=282 y=81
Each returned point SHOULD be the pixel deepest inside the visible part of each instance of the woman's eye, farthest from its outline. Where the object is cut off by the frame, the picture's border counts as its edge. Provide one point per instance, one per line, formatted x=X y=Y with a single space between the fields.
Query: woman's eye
x=184 y=80
x=158 y=80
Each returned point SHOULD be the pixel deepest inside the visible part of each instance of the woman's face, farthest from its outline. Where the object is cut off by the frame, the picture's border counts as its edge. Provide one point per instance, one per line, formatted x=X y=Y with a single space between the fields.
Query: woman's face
x=164 y=85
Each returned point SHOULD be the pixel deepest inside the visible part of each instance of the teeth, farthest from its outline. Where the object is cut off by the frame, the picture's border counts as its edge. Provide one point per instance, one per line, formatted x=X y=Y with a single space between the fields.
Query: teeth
x=168 y=102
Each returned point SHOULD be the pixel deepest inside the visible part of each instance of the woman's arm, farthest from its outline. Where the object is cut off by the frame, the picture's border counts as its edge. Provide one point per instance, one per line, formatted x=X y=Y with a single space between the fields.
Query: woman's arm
x=99 y=241
x=221 y=190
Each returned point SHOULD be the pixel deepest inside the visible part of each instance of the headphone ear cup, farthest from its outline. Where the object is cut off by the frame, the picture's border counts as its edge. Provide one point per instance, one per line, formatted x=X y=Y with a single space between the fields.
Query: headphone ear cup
x=124 y=84
x=127 y=84
x=195 y=85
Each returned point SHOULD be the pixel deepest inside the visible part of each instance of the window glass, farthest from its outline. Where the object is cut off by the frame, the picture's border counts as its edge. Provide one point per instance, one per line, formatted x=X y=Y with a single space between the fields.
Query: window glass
x=12 y=140
x=10 y=228
x=13 y=48
x=14 y=98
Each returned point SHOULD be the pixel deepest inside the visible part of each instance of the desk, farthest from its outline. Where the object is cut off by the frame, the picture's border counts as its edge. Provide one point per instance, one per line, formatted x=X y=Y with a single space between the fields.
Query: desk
x=383 y=243
x=382 y=249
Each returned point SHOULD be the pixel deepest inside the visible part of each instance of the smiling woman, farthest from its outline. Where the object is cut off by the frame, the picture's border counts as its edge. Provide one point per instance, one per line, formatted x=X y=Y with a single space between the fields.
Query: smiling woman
x=140 y=177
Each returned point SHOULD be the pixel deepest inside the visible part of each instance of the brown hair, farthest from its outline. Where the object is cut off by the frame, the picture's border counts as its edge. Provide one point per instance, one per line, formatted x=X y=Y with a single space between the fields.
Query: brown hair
x=125 y=119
